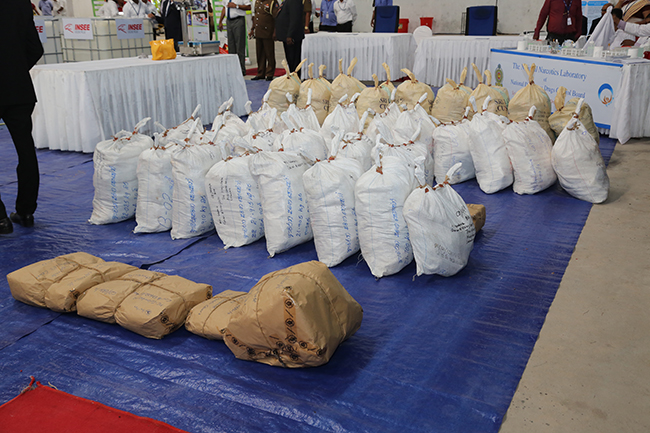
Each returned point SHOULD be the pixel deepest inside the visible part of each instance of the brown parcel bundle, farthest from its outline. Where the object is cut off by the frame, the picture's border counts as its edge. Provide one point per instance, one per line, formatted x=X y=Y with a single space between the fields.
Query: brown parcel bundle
x=295 y=317
x=410 y=92
x=57 y=283
x=477 y=211
x=450 y=103
x=101 y=302
x=320 y=94
x=564 y=113
x=531 y=95
x=375 y=98
x=210 y=318
x=159 y=308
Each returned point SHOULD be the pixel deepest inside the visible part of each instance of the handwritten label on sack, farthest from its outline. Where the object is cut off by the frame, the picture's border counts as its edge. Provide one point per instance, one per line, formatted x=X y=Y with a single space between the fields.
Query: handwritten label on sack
x=129 y=28
x=77 y=28
x=39 y=23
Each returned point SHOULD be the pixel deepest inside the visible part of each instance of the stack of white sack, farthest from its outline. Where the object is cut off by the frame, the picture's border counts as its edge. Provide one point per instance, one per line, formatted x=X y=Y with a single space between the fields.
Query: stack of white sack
x=379 y=199
x=180 y=131
x=190 y=162
x=451 y=145
x=488 y=149
x=354 y=145
x=450 y=103
x=299 y=139
x=498 y=104
x=235 y=201
x=406 y=140
x=228 y=126
x=440 y=226
x=329 y=186
x=306 y=116
x=115 y=177
x=280 y=86
x=261 y=124
x=321 y=94
x=578 y=163
x=284 y=201
x=375 y=98
x=529 y=149
x=389 y=117
x=409 y=93
x=531 y=95
x=155 y=188
x=343 y=116
x=345 y=84
x=564 y=113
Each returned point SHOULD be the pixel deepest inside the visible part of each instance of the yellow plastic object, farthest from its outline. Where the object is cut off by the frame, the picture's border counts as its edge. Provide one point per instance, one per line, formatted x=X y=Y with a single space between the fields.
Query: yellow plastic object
x=163 y=49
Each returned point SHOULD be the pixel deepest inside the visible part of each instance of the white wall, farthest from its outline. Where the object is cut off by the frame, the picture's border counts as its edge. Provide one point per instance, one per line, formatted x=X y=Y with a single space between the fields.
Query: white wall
x=514 y=16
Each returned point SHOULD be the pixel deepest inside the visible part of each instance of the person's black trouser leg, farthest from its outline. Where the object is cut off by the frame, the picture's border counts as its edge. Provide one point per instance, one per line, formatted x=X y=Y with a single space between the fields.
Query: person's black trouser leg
x=18 y=119
x=292 y=53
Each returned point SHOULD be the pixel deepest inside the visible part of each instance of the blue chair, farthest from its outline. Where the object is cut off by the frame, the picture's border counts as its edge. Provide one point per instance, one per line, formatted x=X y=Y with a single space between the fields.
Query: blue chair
x=386 y=19
x=481 y=21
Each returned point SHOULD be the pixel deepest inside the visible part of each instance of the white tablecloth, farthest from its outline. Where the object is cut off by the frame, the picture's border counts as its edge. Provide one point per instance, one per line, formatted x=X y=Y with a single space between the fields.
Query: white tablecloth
x=632 y=103
x=81 y=104
x=440 y=57
x=371 y=49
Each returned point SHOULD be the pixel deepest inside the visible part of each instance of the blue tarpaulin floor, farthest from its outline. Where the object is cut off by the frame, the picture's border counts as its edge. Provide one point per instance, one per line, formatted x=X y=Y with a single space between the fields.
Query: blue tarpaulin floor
x=433 y=354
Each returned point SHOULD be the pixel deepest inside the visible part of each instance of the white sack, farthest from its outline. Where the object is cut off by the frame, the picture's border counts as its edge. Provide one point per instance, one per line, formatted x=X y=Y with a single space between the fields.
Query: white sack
x=451 y=145
x=298 y=139
x=578 y=163
x=284 y=202
x=155 y=190
x=191 y=212
x=379 y=198
x=529 y=149
x=440 y=227
x=356 y=146
x=330 y=193
x=235 y=201
x=115 y=177
x=342 y=116
x=489 y=153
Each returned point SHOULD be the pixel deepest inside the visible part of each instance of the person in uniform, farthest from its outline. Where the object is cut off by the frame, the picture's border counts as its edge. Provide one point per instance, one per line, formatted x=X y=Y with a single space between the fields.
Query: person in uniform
x=262 y=30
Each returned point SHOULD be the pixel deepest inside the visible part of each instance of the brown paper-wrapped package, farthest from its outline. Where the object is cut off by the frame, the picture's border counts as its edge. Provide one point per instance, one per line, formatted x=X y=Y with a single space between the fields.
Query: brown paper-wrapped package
x=159 y=308
x=208 y=319
x=58 y=282
x=295 y=317
x=477 y=211
x=101 y=302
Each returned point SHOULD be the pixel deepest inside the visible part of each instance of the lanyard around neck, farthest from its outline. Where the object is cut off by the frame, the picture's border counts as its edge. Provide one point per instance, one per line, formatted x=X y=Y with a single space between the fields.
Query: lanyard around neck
x=568 y=8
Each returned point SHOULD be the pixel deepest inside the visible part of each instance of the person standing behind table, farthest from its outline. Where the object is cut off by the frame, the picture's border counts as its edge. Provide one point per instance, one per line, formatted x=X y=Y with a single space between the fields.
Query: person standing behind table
x=290 y=29
x=22 y=50
x=306 y=9
x=235 y=10
x=564 y=20
x=327 y=16
x=262 y=30
x=170 y=17
x=46 y=7
x=346 y=15
x=595 y=22
x=137 y=9
x=375 y=5
x=59 y=8
x=110 y=9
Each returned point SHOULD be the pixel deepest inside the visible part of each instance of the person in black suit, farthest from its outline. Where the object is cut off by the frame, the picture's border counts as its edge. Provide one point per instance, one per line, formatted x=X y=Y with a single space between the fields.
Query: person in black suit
x=595 y=22
x=170 y=17
x=290 y=29
x=22 y=50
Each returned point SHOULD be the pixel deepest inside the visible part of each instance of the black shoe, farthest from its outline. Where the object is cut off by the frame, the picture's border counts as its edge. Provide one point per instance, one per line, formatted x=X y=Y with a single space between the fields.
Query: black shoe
x=5 y=226
x=23 y=220
x=269 y=78
x=255 y=78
